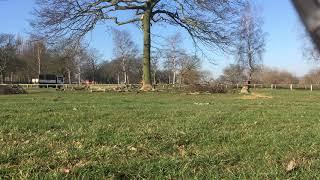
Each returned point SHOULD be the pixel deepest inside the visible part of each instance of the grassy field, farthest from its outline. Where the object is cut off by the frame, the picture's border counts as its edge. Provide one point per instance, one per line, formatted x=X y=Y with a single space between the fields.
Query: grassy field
x=50 y=134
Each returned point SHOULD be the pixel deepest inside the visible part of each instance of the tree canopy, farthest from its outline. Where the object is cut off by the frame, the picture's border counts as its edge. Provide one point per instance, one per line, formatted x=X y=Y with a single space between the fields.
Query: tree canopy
x=211 y=22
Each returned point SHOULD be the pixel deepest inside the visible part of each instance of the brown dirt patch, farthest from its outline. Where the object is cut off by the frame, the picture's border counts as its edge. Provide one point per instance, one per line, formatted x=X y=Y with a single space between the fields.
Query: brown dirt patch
x=254 y=96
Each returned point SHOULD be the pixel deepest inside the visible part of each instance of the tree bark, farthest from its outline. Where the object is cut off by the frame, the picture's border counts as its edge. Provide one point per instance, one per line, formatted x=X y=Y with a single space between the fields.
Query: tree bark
x=146 y=79
x=128 y=80
x=118 y=78
x=79 y=77
x=39 y=59
x=124 y=70
x=69 y=77
x=11 y=77
x=174 y=77
x=1 y=78
x=249 y=81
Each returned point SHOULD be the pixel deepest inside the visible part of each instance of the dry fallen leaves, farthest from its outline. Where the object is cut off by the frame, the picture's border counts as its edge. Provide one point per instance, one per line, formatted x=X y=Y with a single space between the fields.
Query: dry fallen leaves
x=131 y=148
x=201 y=104
x=255 y=96
x=292 y=165
x=182 y=150
x=66 y=170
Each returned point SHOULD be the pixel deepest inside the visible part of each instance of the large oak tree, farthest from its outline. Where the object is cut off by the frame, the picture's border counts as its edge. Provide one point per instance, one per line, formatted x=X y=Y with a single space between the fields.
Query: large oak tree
x=210 y=22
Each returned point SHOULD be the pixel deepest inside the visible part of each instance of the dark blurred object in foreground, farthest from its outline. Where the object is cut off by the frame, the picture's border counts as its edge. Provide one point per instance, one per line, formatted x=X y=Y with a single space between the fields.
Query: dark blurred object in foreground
x=309 y=11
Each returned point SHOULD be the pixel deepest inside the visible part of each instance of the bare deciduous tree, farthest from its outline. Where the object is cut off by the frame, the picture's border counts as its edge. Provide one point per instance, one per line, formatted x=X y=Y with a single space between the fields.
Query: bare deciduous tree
x=155 y=61
x=209 y=22
x=173 y=53
x=233 y=74
x=189 y=69
x=72 y=55
x=8 y=48
x=313 y=77
x=268 y=75
x=91 y=61
x=124 y=50
x=250 y=44
x=38 y=51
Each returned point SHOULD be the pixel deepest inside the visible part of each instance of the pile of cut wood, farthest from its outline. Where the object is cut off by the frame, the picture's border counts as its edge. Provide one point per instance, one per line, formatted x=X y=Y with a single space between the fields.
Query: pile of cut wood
x=11 y=89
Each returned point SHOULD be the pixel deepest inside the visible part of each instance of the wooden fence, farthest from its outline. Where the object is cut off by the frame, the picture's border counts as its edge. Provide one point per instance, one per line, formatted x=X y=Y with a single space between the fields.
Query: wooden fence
x=65 y=86
x=310 y=87
x=291 y=87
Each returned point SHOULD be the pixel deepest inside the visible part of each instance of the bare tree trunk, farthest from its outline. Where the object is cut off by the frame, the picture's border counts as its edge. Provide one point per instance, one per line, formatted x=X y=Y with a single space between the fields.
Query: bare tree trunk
x=28 y=78
x=249 y=81
x=146 y=80
x=246 y=87
x=124 y=70
x=118 y=79
x=39 y=59
x=128 y=82
x=1 y=78
x=69 y=76
x=79 y=77
x=174 y=72
x=11 y=77
x=174 y=78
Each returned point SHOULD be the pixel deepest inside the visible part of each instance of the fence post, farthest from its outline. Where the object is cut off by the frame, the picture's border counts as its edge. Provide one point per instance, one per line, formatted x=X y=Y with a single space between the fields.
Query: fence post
x=311 y=87
x=237 y=86
x=271 y=86
x=254 y=86
x=291 y=87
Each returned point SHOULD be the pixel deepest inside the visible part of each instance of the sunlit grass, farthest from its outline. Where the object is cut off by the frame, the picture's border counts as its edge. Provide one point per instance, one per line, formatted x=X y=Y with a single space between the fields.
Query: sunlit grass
x=52 y=134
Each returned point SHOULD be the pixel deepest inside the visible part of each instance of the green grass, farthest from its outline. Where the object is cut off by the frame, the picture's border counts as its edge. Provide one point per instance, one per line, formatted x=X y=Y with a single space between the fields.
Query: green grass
x=55 y=135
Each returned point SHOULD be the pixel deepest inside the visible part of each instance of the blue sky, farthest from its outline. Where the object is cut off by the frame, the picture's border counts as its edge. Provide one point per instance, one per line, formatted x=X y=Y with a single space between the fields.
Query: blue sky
x=283 y=49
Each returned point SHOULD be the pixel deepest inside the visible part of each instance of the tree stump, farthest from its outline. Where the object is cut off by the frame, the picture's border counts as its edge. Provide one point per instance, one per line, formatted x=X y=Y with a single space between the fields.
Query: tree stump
x=246 y=87
x=245 y=90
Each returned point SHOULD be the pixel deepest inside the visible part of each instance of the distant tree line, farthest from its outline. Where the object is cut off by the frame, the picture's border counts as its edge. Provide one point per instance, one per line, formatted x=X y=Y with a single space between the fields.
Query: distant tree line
x=22 y=59
x=235 y=74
